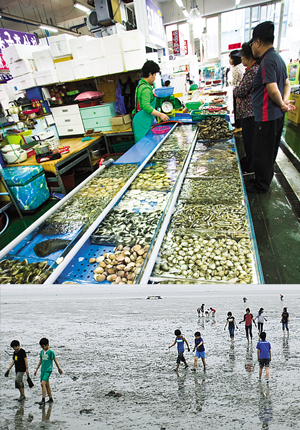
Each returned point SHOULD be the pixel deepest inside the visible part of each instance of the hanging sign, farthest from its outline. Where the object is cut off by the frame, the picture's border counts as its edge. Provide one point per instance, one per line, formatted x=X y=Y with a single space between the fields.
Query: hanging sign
x=186 y=48
x=150 y=22
x=234 y=46
x=178 y=43
x=11 y=37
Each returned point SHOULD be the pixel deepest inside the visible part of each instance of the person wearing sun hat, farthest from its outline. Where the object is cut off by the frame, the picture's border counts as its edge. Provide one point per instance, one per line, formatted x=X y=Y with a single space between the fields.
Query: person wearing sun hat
x=271 y=90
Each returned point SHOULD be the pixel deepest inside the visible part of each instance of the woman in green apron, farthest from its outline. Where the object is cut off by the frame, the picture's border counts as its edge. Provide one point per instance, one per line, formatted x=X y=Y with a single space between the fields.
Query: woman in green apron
x=145 y=111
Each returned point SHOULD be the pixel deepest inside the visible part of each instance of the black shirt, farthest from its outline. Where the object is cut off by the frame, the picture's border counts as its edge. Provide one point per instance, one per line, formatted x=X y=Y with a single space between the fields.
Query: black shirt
x=18 y=357
x=285 y=316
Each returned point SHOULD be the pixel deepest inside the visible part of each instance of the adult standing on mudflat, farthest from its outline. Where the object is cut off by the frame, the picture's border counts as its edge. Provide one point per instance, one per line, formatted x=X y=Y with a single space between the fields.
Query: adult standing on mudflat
x=271 y=90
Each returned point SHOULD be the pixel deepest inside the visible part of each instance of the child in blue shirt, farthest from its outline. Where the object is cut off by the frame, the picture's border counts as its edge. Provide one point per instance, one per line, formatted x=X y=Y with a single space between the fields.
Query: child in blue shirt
x=179 y=339
x=200 y=351
x=263 y=355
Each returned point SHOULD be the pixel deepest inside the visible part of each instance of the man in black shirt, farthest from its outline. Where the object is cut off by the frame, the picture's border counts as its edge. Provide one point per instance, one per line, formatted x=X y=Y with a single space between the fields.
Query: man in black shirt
x=21 y=366
x=271 y=90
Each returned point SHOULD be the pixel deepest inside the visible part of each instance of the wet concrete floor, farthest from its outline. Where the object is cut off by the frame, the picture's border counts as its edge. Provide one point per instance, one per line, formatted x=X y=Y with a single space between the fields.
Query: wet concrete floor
x=114 y=339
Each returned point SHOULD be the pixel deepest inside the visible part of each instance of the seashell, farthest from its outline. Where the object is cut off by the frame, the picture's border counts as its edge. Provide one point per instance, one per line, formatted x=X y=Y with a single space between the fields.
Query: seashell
x=100 y=278
x=59 y=260
x=92 y=260
x=118 y=280
x=120 y=257
x=102 y=264
x=99 y=270
x=100 y=259
x=120 y=266
x=127 y=260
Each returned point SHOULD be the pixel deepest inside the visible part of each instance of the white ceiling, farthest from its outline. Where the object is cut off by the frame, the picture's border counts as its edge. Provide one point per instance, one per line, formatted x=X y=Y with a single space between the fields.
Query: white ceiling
x=57 y=12
x=52 y=12
x=172 y=12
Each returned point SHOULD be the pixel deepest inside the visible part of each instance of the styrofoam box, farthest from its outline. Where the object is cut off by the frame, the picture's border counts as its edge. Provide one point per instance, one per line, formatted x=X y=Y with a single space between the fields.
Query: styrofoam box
x=65 y=71
x=153 y=56
x=133 y=40
x=115 y=64
x=134 y=60
x=19 y=52
x=43 y=60
x=94 y=48
x=112 y=45
x=59 y=45
x=46 y=77
x=22 y=67
x=15 y=86
x=82 y=68
x=99 y=67
x=27 y=81
x=78 y=47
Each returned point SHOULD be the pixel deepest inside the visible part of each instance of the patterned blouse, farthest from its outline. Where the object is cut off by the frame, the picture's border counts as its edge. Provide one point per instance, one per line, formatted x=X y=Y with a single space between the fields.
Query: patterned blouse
x=237 y=75
x=244 y=92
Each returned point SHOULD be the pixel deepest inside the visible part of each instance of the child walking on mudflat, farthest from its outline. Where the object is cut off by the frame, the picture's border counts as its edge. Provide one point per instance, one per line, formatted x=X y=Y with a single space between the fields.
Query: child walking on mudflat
x=263 y=355
x=21 y=366
x=179 y=339
x=200 y=351
x=47 y=357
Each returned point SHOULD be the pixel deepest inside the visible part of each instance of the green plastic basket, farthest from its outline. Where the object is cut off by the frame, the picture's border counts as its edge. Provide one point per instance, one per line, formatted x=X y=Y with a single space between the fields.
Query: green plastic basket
x=193 y=87
x=123 y=146
x=192 y=105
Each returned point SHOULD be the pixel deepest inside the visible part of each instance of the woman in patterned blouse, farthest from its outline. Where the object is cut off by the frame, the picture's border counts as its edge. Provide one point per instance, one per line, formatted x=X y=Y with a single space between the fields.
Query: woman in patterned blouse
x=237 y=75
x=244 y=110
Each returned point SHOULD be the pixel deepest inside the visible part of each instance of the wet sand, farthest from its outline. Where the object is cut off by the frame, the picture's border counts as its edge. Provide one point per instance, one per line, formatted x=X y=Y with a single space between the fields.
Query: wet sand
x=113 y=339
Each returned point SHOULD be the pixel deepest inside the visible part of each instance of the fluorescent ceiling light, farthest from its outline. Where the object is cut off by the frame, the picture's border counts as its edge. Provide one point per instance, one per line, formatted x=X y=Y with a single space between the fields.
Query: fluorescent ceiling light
x=237 y=2
x=46 y=27
x=82 y=7
x=180 y=4
x=185 y=13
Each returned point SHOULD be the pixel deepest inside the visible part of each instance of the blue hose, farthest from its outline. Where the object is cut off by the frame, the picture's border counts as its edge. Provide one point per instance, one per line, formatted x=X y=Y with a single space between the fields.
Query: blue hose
x=7 y=221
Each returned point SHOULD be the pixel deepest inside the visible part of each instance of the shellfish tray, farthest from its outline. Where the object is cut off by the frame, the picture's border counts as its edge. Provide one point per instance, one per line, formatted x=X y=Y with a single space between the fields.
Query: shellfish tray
x=204 y=145
x=141 y=201
x=211 y=190
x=127 y=228
x=204 y=257
x=213 y=154
x=213 y=169
x=24 y=271
x=218 y=218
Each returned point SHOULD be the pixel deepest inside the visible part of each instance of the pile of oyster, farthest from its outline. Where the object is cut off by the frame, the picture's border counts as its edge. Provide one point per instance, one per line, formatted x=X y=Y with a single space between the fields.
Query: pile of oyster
x=214 y=128
x=119 y=171
x=122 y=266
x=205 y=258
x=101 y=188
x=22 y=272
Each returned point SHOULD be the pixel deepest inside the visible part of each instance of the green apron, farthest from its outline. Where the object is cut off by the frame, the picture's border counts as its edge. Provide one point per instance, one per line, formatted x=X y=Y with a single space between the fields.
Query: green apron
x=142 y=122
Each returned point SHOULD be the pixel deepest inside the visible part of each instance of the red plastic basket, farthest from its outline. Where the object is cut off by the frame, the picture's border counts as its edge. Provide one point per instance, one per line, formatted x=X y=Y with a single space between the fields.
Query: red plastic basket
x=161 y=129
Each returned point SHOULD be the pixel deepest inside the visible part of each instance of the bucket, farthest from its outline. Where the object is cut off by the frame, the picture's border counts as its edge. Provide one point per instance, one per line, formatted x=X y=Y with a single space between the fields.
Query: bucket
x=14 y=139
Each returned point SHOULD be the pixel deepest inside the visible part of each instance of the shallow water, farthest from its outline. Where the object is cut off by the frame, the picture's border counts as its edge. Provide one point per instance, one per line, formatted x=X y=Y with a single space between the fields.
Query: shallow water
x=114 y=339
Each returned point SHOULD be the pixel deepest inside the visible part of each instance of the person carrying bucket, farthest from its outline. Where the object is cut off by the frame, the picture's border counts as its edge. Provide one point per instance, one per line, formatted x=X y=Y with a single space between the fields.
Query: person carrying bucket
x=145 y=111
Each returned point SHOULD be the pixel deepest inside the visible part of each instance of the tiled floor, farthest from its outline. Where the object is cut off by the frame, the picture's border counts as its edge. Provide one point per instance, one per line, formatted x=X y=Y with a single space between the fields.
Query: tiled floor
x=277 y=227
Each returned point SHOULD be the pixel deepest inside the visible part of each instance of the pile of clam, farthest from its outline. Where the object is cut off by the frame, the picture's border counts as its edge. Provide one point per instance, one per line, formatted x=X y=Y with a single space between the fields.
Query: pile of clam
x=150 y=179
x=101 y=187
x=23 y=272
x=204 y=258
x=122 y=266
x=213 y=169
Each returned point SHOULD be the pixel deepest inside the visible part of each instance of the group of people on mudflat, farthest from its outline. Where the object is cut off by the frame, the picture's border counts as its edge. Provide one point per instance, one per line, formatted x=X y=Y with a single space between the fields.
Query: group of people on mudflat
x=263 y=347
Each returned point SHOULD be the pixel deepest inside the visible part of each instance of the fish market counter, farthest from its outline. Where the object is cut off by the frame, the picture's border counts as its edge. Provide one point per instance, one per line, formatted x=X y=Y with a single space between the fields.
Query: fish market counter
x=172 y=209
x=78 y=151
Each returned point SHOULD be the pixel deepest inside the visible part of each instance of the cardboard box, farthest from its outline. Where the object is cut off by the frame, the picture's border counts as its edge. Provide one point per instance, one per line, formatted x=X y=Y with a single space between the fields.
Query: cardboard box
x=294 y=115
x=121 y=122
